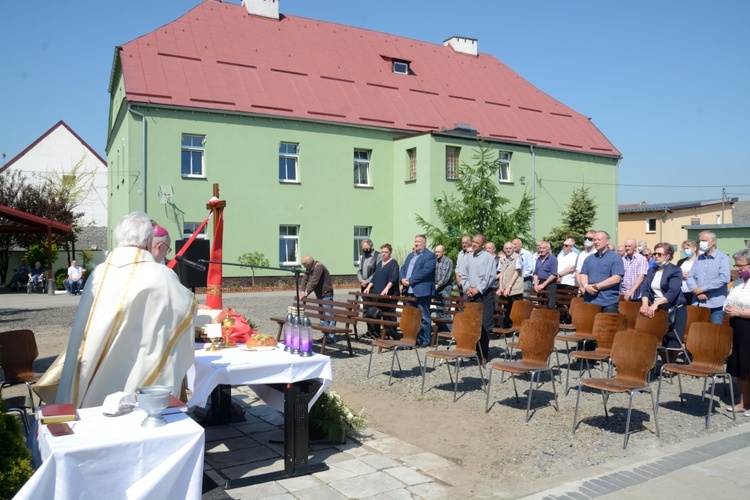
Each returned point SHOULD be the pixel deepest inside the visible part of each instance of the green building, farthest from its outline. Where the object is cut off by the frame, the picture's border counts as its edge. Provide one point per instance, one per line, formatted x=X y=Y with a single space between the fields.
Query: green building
x=321 y=134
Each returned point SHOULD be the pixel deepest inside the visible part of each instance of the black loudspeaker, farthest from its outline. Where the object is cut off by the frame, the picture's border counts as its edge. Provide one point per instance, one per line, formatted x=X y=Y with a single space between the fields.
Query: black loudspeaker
x=190 y=277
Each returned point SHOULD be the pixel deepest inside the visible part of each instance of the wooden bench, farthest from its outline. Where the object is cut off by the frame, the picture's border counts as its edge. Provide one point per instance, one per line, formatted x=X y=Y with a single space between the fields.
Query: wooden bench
x=564 y=298
x=391 y=306
x=343 y=313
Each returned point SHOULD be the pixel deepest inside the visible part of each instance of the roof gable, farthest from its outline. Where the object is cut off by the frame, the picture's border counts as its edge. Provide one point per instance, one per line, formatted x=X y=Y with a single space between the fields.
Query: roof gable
x=217 y=56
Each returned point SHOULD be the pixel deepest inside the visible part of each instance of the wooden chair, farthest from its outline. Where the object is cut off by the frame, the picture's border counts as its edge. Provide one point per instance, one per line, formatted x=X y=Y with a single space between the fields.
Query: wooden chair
x=634 y=354
x=411 y=320
x=583 y=320
x=695 y=314
x=476 y=308
x=658 y=326
x=537 y=340
x=710 y=345
x=18 y=350
x=631 y=310
x=606 y=325
x=551 y=315
x=520 y=311
x=467 y=328
x=573 y=303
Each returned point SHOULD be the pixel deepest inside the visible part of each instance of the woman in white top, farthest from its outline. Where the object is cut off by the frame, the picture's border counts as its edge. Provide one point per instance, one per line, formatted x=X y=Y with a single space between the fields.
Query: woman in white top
x=737 y=307
x=691 y=253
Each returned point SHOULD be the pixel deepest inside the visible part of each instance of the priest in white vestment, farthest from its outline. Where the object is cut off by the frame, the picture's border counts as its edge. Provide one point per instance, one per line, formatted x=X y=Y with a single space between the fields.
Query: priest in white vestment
x=134 y=324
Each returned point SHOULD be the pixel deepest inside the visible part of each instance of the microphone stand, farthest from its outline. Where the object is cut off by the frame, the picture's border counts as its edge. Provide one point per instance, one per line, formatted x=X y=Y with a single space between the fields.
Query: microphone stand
x=295 y=271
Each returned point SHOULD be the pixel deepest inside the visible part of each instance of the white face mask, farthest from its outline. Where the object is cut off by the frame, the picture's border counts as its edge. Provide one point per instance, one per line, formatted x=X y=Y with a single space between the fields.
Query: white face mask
x=704 y=246
x=588 y=244
x=640 y=249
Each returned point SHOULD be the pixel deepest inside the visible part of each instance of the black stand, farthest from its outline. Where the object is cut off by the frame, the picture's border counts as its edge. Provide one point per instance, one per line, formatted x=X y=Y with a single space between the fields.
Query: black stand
x=297 y=396
x=220 y=408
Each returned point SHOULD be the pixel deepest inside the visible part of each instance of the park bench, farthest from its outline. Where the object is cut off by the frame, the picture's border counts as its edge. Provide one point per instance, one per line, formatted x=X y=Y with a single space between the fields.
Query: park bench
x=343 y=313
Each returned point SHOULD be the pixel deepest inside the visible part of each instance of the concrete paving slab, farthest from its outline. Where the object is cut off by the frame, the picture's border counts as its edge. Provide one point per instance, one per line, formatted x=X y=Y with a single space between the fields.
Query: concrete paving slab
x=392 y=447
x=257 y=491
x=334 y=473
x=436 y=491
x=400 y=494
x=355 y=466
x=379 y=462
x=427 y=461
x=407 y=475
x=231 y=444
x=323 y=492
x=294 y=484
x=224 y=459
x=221 y=432
x=366 y=485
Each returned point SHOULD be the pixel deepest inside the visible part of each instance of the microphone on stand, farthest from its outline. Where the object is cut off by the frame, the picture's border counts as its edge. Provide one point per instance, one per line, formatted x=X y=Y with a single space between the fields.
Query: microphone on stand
x=190 y=263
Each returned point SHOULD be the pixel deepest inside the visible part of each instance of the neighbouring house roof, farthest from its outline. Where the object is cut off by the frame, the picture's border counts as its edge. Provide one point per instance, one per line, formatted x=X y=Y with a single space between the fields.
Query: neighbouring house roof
x=671 y=207
x=31 y=146
x=741 y=211
x=219 y=57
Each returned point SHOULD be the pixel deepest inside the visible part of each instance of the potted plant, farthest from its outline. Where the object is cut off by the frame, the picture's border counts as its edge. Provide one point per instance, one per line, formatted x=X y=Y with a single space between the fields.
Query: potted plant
x=332 y=420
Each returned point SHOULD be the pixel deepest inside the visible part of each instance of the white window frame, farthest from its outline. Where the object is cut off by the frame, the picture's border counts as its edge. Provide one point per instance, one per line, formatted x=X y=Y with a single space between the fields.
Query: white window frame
x=400 y=67
x=188 y=228
x=285 y=155
x=648 y=225
x=192 y=148
x=284 y=237
x=362 y=163
x=365 y=232
x=411 y=164
x=448 y=161
x=503 y=166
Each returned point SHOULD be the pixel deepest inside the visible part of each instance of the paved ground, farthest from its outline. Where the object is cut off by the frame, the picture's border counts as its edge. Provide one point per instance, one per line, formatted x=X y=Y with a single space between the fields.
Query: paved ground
x=380 y=466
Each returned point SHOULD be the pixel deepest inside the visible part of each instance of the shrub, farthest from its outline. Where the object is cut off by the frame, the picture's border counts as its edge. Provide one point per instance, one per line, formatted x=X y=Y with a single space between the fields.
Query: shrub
x=333 y=418
x=60 y=276
x=15 y=458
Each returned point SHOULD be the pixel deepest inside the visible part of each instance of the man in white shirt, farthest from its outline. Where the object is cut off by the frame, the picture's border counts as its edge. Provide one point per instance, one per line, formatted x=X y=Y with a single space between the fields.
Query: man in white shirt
x=588 y=245
x=524 y=263
x=74 y=283
x=566 y=265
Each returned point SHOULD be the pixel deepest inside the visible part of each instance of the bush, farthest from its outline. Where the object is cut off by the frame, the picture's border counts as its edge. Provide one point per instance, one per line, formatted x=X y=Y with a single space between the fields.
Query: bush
x=60 y=276
x=15 y=458
x=330 y=417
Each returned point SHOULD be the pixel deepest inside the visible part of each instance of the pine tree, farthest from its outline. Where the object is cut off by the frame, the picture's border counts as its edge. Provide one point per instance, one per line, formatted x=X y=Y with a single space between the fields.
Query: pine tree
x=479 y=208
x=578 y=218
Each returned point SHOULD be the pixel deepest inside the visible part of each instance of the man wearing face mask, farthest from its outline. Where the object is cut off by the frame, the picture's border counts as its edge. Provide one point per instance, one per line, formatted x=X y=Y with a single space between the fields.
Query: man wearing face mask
x=588 y=245
x=368 y=262
x=709 y=276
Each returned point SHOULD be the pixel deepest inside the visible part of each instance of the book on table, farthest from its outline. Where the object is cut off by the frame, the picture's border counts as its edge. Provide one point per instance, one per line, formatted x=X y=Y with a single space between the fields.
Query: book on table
x=61 y=412
x=175 y=406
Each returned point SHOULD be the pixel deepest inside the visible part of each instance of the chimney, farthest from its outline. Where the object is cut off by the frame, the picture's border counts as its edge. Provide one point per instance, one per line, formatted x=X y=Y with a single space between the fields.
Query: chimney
x=264 y=8
x=462 y=44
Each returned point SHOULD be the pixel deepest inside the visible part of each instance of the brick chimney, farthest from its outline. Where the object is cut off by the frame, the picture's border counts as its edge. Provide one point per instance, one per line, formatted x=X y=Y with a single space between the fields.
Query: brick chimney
x=264 y=8
x=462 y=44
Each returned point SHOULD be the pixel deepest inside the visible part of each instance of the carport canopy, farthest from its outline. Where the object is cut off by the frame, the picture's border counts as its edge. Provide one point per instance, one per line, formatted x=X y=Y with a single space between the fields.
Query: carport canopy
x=33 y=225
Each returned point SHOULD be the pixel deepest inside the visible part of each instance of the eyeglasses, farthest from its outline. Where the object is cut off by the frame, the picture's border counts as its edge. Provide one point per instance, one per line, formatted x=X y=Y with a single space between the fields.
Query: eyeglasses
x=589 y=239
x=169 y=249
x=659 y=254
x=741 y=266
x=567 y=245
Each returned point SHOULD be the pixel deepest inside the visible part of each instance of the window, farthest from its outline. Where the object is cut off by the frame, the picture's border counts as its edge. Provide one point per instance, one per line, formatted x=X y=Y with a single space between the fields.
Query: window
x=361 y=167
x=451 y=162
x=288 y=245
x=503 y=164
x=695 y=222
x=651 y=225
x=412 y=154
x=360 y=233
x=193 y=149
x=400 y=67
x=188 y=228
x=288 y=162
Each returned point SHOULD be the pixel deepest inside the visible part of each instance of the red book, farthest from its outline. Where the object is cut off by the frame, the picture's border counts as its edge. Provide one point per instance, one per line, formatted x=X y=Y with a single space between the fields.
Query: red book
x=175 y=406
x=64 y=412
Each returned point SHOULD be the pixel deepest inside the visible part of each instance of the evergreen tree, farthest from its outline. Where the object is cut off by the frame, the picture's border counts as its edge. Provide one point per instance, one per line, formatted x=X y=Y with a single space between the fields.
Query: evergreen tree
x=578 y=218
x=479 y=208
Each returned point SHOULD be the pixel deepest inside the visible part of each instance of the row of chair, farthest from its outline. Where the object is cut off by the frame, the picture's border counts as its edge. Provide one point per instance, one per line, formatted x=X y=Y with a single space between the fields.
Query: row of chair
x=633 y=351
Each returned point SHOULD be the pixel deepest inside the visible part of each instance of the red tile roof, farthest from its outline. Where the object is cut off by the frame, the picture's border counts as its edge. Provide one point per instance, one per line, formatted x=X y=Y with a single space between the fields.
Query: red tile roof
x=217 y=56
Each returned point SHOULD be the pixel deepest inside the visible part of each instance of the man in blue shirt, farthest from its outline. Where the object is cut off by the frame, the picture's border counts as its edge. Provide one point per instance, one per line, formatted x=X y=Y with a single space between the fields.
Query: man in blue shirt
x=545 y=274
x=601 y=275
x=418 y=278
x=709 y=276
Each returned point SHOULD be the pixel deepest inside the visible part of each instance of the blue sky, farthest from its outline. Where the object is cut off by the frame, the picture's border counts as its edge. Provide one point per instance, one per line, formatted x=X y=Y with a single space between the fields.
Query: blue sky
x=668 y=82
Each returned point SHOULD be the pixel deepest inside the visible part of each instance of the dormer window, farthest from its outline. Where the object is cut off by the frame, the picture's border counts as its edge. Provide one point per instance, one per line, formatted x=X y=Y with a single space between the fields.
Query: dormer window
x=401 y=67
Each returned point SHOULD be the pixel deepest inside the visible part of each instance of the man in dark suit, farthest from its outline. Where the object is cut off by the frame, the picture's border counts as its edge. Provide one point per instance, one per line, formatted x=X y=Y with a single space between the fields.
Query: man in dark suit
x=418 y=279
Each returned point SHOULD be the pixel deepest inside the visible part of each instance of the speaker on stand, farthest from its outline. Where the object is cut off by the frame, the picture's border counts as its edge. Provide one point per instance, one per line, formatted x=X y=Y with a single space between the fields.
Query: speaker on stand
x=190 y=277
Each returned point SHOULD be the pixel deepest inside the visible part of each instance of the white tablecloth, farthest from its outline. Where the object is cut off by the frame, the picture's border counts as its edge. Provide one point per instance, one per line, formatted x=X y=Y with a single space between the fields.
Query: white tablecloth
x=114 y=457
x=255 y=368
